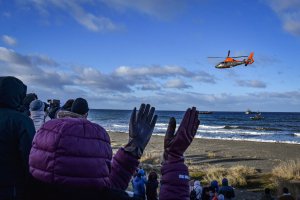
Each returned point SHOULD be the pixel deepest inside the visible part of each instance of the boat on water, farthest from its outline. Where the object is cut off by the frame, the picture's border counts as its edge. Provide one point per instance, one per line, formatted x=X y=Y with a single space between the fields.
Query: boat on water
x=257 y=117
x=205 y=112
x=248 y=112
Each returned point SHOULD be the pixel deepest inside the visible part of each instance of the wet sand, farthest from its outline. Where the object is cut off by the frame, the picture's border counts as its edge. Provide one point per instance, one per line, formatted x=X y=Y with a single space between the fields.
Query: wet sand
x=263 y=156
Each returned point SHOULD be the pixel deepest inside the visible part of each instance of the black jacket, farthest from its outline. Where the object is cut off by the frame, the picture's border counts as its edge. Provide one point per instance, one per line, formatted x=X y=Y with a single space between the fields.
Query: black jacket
x=16 y=134
x=45 y=191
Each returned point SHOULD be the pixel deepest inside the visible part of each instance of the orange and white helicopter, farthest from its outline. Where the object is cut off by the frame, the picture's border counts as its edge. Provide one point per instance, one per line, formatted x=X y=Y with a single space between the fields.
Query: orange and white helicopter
x=230 y=62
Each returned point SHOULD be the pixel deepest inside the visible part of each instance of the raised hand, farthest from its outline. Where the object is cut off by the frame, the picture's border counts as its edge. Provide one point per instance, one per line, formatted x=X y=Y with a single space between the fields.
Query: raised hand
x=176 y=144
x=141 y=126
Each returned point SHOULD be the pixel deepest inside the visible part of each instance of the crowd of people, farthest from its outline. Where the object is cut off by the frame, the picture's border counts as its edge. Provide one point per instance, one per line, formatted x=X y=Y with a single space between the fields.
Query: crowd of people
x=53 y=152
x=48 y=151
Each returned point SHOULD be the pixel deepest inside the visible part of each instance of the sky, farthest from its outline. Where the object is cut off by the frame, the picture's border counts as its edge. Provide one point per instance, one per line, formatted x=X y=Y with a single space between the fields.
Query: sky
x=120 y=53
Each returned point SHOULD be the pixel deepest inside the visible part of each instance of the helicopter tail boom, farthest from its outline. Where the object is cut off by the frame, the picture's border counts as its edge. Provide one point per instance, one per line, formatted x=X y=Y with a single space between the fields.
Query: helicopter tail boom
x=250 y=59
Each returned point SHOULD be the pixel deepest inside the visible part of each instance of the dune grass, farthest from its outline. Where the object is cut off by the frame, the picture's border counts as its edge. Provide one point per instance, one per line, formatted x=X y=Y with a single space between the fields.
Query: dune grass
x=237 y=175
x=289 y=170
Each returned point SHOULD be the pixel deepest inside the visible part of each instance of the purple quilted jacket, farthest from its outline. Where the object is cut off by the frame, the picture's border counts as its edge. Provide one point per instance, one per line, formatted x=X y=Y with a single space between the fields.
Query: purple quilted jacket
x=77 y=152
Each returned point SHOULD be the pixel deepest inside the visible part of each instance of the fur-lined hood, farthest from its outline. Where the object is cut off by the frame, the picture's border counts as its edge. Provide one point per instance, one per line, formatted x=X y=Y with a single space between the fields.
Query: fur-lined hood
x=68 y=114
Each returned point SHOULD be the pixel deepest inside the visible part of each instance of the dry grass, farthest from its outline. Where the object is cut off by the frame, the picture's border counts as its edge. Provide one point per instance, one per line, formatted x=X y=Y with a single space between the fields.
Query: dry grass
x=153 y=158
x=211 y=155
x=289 y=170
x=237 y=175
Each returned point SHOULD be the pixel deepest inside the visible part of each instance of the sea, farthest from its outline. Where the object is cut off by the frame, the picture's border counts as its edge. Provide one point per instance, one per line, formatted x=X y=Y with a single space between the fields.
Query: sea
x=276 y=127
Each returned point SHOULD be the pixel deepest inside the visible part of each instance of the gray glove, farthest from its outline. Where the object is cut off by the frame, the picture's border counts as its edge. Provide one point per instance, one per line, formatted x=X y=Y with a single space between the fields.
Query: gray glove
x=141 y=126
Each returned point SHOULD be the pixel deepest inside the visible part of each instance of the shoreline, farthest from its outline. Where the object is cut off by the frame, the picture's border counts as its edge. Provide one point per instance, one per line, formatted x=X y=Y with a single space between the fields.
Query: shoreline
x=263 y=156
x=228 y=139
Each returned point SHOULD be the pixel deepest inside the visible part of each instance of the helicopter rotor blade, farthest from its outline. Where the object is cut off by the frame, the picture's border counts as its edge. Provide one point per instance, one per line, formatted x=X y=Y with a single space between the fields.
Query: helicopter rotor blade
x=239 y=57
x=215 y=57
x=228 y=53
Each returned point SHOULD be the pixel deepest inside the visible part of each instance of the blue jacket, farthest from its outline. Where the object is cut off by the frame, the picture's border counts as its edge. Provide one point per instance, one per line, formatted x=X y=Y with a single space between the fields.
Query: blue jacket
x=138 y=185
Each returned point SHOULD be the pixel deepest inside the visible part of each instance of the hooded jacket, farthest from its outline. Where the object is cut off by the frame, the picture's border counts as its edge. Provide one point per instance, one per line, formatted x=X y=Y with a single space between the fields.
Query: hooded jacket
x=74 y=152
x=16 y=134
x=226 y=190
x=198 y=189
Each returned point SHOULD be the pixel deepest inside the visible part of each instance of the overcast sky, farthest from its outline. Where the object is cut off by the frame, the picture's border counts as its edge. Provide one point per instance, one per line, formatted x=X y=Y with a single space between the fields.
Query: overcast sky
x=120 y=53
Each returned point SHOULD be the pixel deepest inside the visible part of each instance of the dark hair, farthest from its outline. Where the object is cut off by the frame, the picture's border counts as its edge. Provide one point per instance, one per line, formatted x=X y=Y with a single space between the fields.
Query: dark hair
x=267 y=191
x=68 y=105
x=152 y=176
x=285 y=190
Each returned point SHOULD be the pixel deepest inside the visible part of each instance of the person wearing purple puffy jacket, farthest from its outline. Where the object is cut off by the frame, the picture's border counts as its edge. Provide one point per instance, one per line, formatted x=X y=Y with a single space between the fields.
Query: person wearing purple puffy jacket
x=175 y=176
x=71 y=157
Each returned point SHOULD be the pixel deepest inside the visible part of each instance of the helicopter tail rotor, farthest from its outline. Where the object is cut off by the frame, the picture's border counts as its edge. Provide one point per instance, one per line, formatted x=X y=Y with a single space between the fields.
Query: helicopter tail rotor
x=228 y=53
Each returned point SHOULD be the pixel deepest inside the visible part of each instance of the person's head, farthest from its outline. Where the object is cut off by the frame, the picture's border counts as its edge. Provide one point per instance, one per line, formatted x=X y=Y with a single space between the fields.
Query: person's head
x=285 y=190
x=221 y=197
x=29 y=98
x=197 y=183
x=141 y=173
x=225 y=182
x=206 y=191
x=267 y=191
x=214 y=184
x=152 y=176
x=36 y=105
x=12 y=92
x=68 y=105
x=80 y=106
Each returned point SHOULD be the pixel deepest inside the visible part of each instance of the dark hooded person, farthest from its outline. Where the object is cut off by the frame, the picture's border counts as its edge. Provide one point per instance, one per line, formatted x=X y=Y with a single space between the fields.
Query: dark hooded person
x=16 y=134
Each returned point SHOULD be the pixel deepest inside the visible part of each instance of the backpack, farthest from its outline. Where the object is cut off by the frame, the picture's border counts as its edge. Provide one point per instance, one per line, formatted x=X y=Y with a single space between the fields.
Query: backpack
x=193 y=194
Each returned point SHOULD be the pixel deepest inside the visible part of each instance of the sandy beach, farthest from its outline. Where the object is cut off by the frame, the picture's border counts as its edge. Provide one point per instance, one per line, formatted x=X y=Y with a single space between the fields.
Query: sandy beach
x=226 y=153
x=263 y=156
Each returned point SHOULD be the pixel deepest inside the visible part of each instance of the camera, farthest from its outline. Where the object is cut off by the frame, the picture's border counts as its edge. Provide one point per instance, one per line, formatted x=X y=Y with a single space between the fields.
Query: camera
x=53 y=103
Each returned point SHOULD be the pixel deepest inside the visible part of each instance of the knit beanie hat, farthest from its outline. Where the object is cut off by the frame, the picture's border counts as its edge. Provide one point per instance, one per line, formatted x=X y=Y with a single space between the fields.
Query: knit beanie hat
x=37 y=105
x=80 y=106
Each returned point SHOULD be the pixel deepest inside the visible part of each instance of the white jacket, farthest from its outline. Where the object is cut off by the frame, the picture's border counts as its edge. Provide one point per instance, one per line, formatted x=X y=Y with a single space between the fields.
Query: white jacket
x=198 y=189
x=38 y=118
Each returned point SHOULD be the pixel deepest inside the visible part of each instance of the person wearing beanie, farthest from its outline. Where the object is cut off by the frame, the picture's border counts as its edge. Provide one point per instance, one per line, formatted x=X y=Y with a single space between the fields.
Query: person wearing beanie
x=80 y=106
x=37 y=113
x=138 y=184
x=226 y=190
x=79 y=109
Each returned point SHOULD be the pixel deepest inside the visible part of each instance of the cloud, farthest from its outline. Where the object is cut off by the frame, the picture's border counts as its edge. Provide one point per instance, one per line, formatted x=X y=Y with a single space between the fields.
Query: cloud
x=9 y=40
x=97 y=22
x=77 y=10
x=176 y=83
x=152 y=71
x=29 y=61
x=48 y=73
x=251 y=83
x=204 y=77
x=150 y=86
x=289 y=13
x=159 y=9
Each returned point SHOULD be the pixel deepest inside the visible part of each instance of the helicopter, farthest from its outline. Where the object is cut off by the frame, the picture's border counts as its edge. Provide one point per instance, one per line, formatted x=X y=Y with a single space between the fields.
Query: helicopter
x=230 y=62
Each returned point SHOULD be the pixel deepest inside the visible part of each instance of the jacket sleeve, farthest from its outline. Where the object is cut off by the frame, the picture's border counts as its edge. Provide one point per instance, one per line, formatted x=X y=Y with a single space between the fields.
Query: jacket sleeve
x=174 y=182
x=25 y=136
x=122 y=169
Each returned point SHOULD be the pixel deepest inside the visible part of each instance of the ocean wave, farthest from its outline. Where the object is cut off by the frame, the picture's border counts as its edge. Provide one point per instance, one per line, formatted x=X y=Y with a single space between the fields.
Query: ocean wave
x=210 y=127
x=252 y=128
x=250 y=139
x=297 y=134
x=234 y=132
